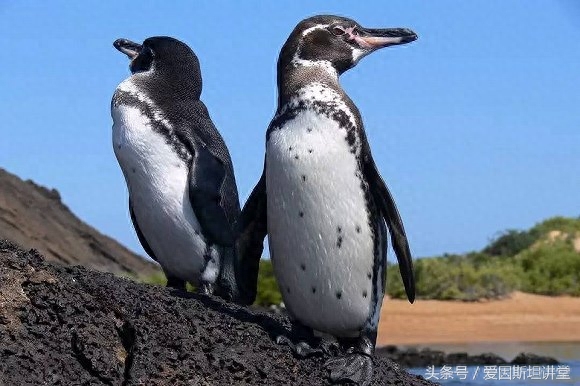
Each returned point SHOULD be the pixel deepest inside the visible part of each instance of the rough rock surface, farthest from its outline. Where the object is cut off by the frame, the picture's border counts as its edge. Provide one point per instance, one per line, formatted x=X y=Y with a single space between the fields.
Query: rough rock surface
x=533 y=359
x=72 y=326
x=411 y=357
x=35 y=217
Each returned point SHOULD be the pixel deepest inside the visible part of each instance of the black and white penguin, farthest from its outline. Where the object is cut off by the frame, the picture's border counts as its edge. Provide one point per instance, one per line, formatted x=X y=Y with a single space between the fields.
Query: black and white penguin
x=183 y=198
x=321 y=200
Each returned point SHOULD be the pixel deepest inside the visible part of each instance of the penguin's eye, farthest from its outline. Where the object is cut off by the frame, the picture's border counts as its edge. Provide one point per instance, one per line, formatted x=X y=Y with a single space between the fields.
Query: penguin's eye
x=337 y=31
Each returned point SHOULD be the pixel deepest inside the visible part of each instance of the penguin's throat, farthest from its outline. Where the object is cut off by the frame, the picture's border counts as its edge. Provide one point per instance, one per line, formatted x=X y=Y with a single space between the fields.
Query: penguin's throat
x=300 y=73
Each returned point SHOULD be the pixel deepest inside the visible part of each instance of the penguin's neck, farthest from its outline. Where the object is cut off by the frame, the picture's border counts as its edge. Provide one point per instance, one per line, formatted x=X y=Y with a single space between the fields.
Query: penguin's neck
x=172 y=88
x=298 y=74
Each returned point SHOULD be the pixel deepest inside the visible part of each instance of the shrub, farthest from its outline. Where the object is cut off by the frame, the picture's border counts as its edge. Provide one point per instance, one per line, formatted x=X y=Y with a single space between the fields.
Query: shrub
x=551 y=269
x=510 y=243
x=563 y=224
x=268 y=292
x=453 y=277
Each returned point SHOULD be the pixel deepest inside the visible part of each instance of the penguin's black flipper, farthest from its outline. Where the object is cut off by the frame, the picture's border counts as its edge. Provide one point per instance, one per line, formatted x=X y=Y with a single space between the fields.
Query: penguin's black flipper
x=205 y=134
x=388 y=208
x=214 y=200
x=252 y=229
x=140 y=236
x=206 y=177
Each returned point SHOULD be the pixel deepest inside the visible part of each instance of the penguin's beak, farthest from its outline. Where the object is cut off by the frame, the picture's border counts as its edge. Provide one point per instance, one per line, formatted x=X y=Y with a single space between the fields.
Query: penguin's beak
x=373 y=38
x=128 y=47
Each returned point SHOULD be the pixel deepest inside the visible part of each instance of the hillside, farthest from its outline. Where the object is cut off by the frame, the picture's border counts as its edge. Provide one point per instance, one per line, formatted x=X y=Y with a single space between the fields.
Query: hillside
x=35 y=217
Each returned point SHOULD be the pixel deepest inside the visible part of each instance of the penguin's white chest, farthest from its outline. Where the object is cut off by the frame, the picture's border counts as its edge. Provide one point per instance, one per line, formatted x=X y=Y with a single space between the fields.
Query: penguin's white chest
x=320 y=238
x=157 y=180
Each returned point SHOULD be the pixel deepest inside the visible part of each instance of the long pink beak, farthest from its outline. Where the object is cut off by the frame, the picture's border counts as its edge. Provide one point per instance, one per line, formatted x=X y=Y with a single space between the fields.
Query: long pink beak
x=378 y=38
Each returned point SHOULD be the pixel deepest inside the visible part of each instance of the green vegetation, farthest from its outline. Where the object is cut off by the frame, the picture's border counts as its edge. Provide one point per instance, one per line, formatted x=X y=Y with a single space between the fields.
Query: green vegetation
x=511 y=242
x=158 y=278
x=540 y=260
x=268 y=292
x=551 y=268
x=452 y=277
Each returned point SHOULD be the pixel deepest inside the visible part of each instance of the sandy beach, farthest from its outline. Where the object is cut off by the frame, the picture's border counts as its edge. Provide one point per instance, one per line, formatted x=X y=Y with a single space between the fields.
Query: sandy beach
x=521 y=318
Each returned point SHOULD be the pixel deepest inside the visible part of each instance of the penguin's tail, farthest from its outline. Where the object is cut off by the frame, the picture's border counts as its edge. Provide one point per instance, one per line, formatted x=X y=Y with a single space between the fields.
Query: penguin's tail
x=232 y=283
x=249 y=248
x=247 y=280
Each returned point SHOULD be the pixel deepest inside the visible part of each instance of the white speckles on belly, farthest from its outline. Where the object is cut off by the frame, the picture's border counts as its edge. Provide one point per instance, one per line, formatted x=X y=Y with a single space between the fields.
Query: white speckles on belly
x=320 y=239
x=157 y=180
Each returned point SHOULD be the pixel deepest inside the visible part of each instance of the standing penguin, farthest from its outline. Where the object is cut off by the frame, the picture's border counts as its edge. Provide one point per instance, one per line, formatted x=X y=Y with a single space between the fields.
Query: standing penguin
x=183 y=198
x=321 y=200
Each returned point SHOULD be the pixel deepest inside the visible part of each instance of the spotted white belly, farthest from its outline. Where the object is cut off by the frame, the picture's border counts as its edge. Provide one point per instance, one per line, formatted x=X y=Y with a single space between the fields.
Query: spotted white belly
x=321 y=243
x=157 y=180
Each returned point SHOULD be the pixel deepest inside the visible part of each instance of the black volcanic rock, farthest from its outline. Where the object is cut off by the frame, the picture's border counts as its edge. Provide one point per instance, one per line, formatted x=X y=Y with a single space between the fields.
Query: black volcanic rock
x=533 y=359
x=74 y=326
x=459 y=358
x=35 y=217
x=413 y=358
x=485 y=359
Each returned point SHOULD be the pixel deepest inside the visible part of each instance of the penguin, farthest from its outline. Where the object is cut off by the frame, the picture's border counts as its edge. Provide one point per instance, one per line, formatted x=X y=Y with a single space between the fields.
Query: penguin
x=183 y=198
x=321 y=200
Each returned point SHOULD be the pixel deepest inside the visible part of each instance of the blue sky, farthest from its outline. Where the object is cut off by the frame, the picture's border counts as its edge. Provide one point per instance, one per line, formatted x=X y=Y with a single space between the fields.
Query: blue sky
x=475 y=127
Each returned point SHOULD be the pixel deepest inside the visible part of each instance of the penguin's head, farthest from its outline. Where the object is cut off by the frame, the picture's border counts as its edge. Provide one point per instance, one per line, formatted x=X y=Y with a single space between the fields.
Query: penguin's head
x=163 y=56
x=338 y=41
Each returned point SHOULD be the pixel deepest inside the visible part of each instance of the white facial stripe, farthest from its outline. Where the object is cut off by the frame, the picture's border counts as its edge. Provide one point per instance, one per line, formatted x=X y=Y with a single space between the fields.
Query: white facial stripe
x=358 y=54
x=314 y=28
x=323 y=64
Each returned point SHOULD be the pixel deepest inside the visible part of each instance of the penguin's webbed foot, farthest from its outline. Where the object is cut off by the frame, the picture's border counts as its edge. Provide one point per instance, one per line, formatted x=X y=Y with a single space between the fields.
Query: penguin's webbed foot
x=303 y=349
x=206 y=288
x=300 y=349
x=330 y=347
x=355 y=367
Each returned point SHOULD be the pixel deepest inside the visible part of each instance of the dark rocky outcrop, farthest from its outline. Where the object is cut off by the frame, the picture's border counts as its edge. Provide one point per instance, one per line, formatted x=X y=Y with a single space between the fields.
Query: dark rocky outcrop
x=71 y=326
x=35 y=217
x=533 y=359
x=414 y=358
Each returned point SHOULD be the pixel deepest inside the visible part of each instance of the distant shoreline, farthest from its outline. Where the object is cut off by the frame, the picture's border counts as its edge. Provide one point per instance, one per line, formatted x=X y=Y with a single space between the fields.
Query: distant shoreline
x=521 y=318
x=562 y=351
